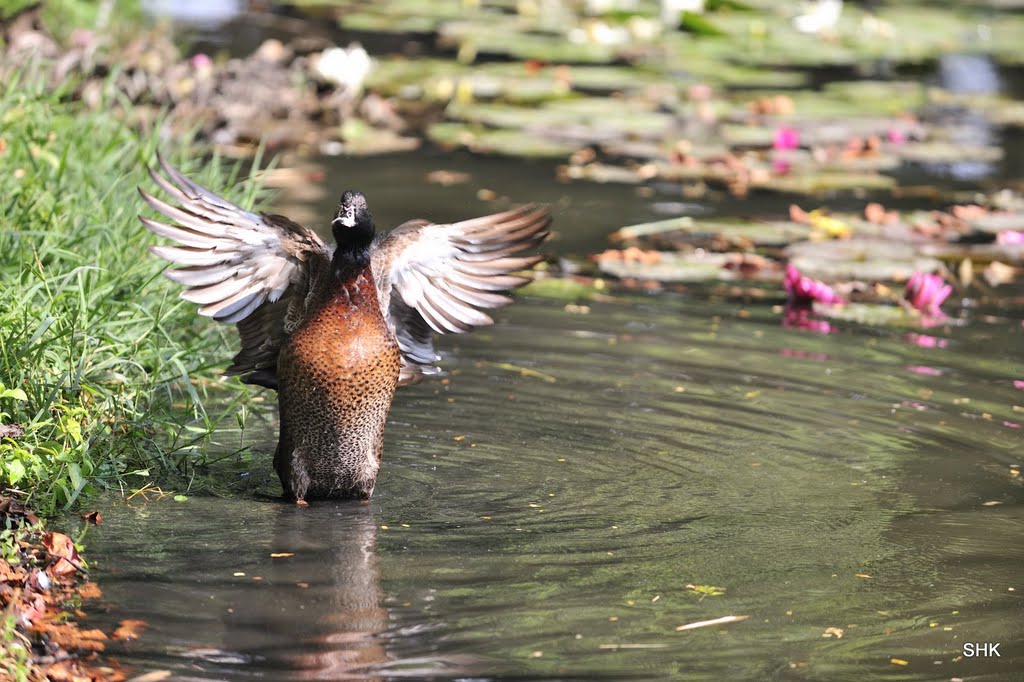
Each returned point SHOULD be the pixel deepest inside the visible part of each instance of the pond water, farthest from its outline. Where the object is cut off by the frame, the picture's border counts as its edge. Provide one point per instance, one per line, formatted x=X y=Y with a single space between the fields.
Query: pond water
x=587 y=480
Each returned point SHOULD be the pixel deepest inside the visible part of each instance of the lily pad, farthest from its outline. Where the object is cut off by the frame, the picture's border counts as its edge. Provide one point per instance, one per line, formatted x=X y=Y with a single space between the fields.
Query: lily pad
x=375 y=22
x=859 y=259
x=998 y=222
x=395 y=76
x=672 y=267
x=948 y=152
x=828 y=181
x=873 y=314
x=608 y=79
x=999 y=109
x=563 y=288
x=976 y=253
x=498 y=141
x=510 y=38
x=361 y=139
x=726 y=232
x=583 y=119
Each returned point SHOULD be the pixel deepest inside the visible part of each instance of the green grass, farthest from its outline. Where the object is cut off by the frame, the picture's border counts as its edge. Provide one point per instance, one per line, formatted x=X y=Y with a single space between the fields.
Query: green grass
x=101 y=365
x=61 y=17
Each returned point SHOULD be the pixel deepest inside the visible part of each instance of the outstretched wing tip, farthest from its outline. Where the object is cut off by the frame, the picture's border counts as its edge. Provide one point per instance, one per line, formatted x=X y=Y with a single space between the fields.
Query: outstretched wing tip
x=234 y=260
x=446 y=276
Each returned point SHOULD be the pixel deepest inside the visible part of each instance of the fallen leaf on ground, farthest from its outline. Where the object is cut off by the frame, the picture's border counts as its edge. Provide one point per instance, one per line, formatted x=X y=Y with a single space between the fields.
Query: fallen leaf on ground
x=61 y=546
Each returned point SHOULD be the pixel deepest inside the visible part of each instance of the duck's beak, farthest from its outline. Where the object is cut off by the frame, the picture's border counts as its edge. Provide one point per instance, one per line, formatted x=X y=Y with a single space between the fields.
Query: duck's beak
x=346 y=217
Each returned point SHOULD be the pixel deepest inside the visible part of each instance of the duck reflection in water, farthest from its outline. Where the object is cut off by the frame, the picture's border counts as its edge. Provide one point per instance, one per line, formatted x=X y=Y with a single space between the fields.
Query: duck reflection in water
x=316 y=611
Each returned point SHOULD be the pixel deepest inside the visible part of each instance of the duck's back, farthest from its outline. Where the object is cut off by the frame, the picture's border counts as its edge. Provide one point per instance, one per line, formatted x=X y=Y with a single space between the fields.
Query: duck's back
x=337 y=374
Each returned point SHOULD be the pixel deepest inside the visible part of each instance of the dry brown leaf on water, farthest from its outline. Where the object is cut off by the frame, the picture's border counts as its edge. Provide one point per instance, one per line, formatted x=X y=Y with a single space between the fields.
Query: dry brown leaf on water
x=969 y=212
x=876 y=213
x=833 y=632
x=93 y=517
x=129 y=630
x=90 y=591
x=281 y=555
x=999 y=273
x=62 y=547
x=69 y=636
x=797 y=214
x=447 y=178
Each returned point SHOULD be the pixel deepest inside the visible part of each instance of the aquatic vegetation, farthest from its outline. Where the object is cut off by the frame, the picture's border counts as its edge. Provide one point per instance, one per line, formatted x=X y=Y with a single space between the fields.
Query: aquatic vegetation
x=926 y=292
x=786 y=138
x=803 y=290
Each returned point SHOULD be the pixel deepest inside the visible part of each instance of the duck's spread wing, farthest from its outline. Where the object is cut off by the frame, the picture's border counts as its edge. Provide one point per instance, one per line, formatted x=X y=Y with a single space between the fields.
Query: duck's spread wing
x=439 y=278
x=238 y=266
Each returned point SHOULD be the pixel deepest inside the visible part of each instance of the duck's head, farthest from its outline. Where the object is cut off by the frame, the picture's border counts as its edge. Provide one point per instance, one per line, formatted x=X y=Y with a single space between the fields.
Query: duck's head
x=352 y=225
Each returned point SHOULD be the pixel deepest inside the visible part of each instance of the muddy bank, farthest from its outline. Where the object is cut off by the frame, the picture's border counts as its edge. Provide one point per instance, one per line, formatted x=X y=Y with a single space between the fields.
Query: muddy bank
x=305 y=94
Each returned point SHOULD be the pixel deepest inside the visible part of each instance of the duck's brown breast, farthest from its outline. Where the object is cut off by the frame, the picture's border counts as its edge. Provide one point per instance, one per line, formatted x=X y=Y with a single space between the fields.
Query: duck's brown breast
x=338 y=373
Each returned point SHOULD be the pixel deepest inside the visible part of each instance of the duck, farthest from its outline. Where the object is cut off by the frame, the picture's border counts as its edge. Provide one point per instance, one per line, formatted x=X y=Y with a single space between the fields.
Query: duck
x=336 y=329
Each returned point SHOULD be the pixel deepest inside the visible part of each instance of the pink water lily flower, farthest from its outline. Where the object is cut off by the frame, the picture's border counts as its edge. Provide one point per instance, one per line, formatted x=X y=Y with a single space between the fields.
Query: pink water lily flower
x=201 y=60
x=786 y=138
x=896 y=136
x=926 y=292
x=1007 y=237
x=805 y=291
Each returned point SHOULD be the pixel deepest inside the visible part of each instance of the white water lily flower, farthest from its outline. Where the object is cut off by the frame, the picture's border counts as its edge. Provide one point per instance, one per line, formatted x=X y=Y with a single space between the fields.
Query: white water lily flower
x=346 y=68
x=599 y=33
x=823 y=15
x=671 y=10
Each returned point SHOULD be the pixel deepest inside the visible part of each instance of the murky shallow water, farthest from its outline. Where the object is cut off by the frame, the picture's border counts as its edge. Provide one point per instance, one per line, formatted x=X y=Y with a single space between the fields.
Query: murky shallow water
x=546 y=524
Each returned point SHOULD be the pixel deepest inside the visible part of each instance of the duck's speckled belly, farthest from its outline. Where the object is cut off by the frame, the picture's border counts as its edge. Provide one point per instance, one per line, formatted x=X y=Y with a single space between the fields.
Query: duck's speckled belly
x=338 y=374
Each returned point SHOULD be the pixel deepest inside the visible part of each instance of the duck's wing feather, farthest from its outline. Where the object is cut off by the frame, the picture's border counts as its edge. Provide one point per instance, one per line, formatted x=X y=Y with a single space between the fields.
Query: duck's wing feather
x=439 y=278
x=238 y=266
